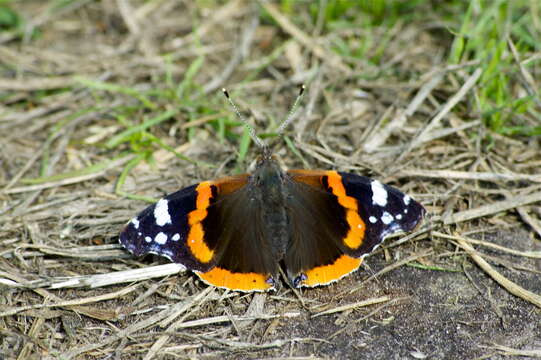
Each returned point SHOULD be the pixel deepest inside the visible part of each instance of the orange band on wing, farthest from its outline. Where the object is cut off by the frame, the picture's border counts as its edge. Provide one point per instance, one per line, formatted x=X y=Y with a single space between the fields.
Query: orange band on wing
x=335 y=183
x=355 y=235
x=204 y=193
x=236 y=281
x=325 y=274
x=196 y=235
x=357 y=227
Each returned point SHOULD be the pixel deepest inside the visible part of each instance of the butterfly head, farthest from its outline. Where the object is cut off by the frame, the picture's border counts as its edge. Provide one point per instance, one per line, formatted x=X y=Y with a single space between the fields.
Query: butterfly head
x=268 y=172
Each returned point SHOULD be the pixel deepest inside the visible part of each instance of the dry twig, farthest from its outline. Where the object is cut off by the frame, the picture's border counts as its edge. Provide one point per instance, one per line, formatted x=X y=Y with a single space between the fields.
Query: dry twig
x=499 y=278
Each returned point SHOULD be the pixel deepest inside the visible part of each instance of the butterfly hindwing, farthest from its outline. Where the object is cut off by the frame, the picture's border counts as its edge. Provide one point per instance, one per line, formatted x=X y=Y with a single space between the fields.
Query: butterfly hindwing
x=235 y=231
x=317 y=227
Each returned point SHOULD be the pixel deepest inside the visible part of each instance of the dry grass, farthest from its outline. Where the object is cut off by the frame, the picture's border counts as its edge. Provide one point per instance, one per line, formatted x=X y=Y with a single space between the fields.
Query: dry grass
x=117 y=102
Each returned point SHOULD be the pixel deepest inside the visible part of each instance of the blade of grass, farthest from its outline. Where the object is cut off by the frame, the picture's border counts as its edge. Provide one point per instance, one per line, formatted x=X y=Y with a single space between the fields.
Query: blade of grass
x=114 y=88
x=295 y=151
x=126 y=134
x=55 y=132
x=102 y=165
x=176 y=153
x=122 y=179
x=243 y=146
x=457 y=48
x=187 y=82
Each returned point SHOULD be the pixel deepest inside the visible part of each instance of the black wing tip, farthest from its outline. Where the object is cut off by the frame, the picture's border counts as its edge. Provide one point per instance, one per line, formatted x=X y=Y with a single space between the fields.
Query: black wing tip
x=129 y=240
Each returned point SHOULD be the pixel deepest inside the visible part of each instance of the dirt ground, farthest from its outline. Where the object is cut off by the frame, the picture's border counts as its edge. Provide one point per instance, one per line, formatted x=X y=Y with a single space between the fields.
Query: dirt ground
x=104 y=103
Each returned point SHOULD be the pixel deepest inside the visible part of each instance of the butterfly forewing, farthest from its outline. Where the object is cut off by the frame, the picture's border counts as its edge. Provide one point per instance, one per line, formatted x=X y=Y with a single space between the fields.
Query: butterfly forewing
x=162 y=229
x=384 y=209
x=173 y=227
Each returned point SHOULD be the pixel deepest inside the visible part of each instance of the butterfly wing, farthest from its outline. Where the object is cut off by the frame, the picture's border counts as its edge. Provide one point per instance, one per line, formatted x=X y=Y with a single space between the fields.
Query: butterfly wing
x=162 y=229
x=336 y=219
x=172 y=226
x=212 y=228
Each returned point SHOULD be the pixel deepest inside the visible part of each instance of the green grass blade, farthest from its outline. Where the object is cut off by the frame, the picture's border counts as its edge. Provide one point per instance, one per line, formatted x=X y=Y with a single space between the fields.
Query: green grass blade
x=126 y=134
x=114 y=88
x=122 y=179
x=244 y=146
x=102 y=165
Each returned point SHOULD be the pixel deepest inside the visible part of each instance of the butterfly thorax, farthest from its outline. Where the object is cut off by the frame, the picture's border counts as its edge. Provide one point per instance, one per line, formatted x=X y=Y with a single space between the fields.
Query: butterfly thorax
x=268 y=191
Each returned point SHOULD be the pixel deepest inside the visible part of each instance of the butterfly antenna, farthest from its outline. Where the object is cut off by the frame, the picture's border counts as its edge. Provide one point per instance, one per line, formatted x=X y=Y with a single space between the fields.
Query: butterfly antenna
x=250 y=129
x=289 y=118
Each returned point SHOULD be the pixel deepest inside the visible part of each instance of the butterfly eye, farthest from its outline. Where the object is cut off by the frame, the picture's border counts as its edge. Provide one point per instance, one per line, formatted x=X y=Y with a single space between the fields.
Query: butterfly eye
x=258 y=178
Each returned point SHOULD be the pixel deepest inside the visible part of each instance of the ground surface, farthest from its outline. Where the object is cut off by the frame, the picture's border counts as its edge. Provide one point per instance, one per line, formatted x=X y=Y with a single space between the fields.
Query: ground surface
x=106 y=104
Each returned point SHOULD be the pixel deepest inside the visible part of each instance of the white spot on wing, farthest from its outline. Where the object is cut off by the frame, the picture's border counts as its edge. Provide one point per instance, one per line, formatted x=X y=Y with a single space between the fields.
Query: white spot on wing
x=161 y=238
x=161 y=213
x=379 y=194
x=372 y=219
x=387 y=218
x=148 y=239
x=399 y=216
x=407 y=199
x=135 y=223
x=176 y=237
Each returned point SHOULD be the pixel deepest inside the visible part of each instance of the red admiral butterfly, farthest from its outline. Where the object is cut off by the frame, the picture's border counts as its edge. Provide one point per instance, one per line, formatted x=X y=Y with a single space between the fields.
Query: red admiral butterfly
x=237 y=231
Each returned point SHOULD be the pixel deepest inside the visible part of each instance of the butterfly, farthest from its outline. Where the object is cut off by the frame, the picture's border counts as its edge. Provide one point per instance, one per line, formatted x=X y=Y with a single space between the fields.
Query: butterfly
x=237 y=232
